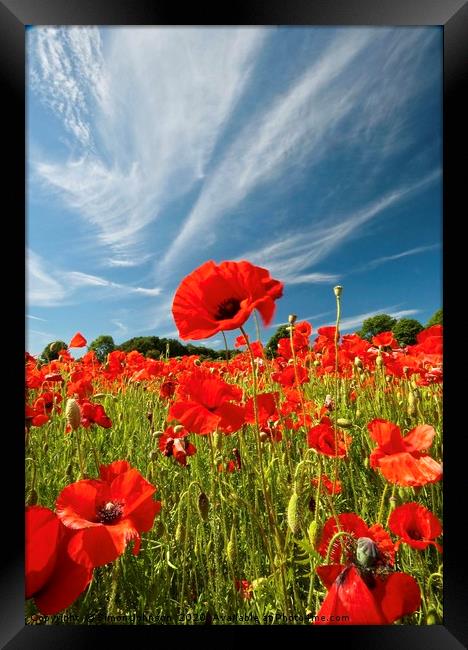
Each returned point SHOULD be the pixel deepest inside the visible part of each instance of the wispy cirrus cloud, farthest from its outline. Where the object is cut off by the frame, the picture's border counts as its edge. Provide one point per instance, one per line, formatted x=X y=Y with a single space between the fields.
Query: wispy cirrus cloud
x=295 y=252
x=354 y=322
x=48 y=286
x=36 y=318
x=373 y=264
x=144 y=110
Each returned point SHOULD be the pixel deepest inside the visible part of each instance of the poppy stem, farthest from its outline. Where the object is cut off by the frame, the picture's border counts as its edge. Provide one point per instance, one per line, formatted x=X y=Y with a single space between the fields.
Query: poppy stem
x=382 y=504
x=225 y=346
x=340 y=533
x=80 y=453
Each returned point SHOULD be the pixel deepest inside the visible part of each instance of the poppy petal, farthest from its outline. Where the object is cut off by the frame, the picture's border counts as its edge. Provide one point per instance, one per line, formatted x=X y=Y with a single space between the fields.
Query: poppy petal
x=42 y=528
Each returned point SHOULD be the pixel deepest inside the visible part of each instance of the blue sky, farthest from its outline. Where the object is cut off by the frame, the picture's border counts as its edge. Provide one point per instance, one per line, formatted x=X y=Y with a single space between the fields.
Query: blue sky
x=314 y=152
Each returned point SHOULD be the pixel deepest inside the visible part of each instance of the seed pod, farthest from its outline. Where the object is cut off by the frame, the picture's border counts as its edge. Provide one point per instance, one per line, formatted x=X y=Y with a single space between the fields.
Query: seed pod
x=153 y=455
x=432 y=618
x=203 y=506
x=411 y=408
x=292 y=319
x=32 y=498
x=218 y=441
x=231 y=550
x=180 y=533
x=344 y=423
x=293 y=514
x=73 y=414
x=402 y=493
x=264 y=437
x=178 y=428
x=337 y=291
x=312 y=532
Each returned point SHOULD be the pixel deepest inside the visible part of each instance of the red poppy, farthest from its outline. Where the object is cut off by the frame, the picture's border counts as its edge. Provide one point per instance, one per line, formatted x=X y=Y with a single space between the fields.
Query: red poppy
x=353 y=524
x=173 y=443
x=35 y=417
x=94 y=414
x=107 y=513
x=415 y=525
x=356 y=597
x=384 y=339
x=206 y=403
x=245 y=589
x=402 y=459
x=52 y=577
x=266 y=408
x=78 y=341
x=214 y=298
x=325 y=440
x=287 y=377
x=332 y=487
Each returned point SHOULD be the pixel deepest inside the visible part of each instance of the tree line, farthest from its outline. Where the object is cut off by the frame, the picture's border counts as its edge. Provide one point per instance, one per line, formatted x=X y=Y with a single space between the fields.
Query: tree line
x=405 y=331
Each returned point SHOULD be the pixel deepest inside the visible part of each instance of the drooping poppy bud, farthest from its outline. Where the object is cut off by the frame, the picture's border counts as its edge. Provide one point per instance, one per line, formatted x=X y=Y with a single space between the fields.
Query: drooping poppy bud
x=366 y=552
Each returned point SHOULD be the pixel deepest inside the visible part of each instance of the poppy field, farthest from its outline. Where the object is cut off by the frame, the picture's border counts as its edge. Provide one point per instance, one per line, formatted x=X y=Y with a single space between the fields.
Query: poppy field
x=303 y=488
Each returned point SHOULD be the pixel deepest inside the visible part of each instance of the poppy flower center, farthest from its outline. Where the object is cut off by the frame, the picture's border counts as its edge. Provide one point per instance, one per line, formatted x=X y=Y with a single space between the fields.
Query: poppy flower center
x=109 y=512
x=414 y=534
x=227 y=309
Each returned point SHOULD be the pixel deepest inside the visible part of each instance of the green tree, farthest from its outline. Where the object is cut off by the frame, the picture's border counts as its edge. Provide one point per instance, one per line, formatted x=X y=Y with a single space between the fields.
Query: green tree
x=51 y=351
x=406 y=330
x=435 y=319
x=376 y=325
x=271 y=347
x=102 y=346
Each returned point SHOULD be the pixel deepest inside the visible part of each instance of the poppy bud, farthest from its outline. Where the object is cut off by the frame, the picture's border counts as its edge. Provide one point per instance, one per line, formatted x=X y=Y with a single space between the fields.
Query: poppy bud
x=312 y=532
x=432 y=618
x=344 y=423
x=153 y=455
x=178 y=428
x=180 y=533
x=402 y=493
x=157 y=434
x=292 y=319
x=366 y=552
x=411 y=408
x=366 y=463
x=293 y=514
x=203 y=506
x=231 y=550
x=264 y=437
x=392 y=502
x=73 y=414
x=357 y=362
x=338 y=291
x=358 y=413
x=197 y=362
x=160 y=530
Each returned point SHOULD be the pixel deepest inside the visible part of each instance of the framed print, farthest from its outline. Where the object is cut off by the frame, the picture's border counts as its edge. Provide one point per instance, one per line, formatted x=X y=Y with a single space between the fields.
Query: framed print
x=237 y=299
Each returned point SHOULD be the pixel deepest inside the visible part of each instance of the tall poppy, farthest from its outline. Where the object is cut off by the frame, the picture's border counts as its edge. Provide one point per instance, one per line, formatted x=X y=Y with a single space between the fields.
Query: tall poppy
x=52 y=577
x=415 y=525
x=214 y=298
x=174 y=443
x=107 y=513
x=206 y=403
x=325 y=440
x=402 y=460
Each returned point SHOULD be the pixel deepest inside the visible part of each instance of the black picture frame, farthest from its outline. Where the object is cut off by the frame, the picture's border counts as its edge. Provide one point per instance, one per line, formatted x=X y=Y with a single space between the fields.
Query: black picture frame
x=452 y=15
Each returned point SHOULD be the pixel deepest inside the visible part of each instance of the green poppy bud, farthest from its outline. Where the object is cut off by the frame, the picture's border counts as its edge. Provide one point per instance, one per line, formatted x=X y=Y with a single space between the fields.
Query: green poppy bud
x=366 y=552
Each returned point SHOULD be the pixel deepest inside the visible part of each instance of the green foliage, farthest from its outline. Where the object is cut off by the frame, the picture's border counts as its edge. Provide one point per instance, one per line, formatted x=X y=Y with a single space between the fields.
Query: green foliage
x=271 y=347
x=154 y=347
x=102 y=346
x=376 y=325
x=436 y=318
x=406 y=330
x=51 y=351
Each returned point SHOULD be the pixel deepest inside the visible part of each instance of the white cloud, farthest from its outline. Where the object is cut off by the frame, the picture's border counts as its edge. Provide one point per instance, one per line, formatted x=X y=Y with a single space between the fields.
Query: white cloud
x=48 y=286
x=388 y=258
x=295 y=124
x=355 y=322
x=144 y=111
x=36 y=318
x=295 y=252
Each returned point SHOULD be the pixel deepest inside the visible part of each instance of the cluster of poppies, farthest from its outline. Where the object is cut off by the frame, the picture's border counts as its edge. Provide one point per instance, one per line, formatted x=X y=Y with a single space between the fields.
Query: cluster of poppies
x=364 y=589
x=94 y=521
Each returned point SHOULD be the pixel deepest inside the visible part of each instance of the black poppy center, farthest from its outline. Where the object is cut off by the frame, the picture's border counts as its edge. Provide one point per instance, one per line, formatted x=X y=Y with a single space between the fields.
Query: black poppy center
x=109 y=512
x=414 y=534
x=227 y=309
